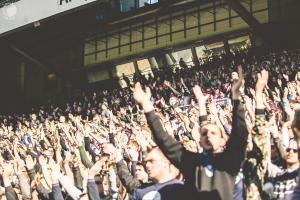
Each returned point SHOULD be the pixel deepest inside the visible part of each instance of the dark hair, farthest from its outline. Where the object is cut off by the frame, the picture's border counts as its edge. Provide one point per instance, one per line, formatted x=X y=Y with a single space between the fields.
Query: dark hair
x=139 y=163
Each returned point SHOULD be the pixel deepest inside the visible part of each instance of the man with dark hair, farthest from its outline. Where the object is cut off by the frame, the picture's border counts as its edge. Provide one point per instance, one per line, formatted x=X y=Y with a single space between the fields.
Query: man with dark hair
x=162 y=173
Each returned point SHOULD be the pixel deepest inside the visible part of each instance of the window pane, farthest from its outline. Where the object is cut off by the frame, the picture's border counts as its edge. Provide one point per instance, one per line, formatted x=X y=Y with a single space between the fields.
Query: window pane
x=127 y=5
x=239 y=43
x=127 y=69
x=186 y=55
x=208 y=50
x=145 y=2
x=144 y=66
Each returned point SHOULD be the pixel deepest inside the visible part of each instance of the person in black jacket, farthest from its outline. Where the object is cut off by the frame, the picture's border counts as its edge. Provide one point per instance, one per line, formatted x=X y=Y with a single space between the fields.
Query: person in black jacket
x=215 y=169
x=162 y=173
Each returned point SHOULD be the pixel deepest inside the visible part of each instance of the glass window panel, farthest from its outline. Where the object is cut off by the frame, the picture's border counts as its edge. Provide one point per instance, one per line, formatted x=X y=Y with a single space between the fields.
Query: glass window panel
x=186 y=55
x=127 y=5
x=144 y=66
x=127 y=69
x=145 y=2
x=239 y=43
x=205 y=51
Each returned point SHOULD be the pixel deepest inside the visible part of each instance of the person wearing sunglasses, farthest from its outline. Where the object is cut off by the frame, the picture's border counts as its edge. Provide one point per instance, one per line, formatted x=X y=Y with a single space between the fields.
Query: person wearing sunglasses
x=285 y=180
x=296 y=131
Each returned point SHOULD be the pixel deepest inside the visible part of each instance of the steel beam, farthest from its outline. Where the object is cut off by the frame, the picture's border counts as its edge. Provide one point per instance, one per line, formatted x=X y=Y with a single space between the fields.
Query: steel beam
x=250 y=20
x=199 y=20
x=184 y=22
x=143 y=34
x=106 y=45
x=170 y=27
x=119 y=41
x=35 y=61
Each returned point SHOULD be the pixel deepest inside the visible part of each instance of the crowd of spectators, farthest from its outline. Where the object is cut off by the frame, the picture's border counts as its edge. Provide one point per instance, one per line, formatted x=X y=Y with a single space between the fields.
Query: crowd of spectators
x=227 y=129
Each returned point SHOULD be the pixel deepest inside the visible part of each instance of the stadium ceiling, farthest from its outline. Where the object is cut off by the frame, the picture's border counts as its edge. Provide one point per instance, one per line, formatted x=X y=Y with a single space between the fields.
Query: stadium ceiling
x=72 y=28
x=250 y=20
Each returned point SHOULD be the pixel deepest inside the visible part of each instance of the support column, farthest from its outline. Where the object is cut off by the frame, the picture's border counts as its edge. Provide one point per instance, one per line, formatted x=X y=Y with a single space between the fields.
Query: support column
x=169 y=60
x=153 y=63
x=21 y=76
x=226 y=47
x=252 y=22
x=160 y=60
x=195 y=56
x=136 y=67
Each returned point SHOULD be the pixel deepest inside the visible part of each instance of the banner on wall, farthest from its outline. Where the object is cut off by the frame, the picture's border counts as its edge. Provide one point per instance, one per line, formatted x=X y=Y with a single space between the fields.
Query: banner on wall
x=18 y=13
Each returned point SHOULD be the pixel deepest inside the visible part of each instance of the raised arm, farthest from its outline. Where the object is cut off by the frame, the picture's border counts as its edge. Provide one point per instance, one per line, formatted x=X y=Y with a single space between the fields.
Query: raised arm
x=9 y=191
x=56 y=190
x=91 y=185
x=129 y=182
x=260 y=136
x=173 y=150
x=167 y=83
x=234 y=154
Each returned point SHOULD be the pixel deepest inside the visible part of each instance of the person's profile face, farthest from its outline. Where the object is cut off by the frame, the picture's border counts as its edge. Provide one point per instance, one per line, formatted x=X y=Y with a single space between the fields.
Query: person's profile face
x=155 y=164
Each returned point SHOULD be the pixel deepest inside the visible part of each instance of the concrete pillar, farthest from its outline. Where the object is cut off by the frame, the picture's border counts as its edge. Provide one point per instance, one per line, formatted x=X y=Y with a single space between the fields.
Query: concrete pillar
x=195 y=56
x=226 y=46
x=160 y=60
x=153 y=63
x=169 y=60
x=22 y=76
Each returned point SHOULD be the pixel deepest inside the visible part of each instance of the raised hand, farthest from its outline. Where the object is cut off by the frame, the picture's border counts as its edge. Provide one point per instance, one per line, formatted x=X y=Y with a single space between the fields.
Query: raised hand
x=79 y=140
x=167 y=83
x=140 y=95
x=286 y=92
x=262 y=81
x=252 y=92
x=237 y=83
x=55 y=171
x=213 y=108
x=30 y=162
x=201 y=99
x=42 y=160
x=261 y=84
x=199 y=95
x=142 y=141
x=8 y=168
x=68 y=157
x=97 y=167
x=143 y=97
x=133 y=154
x=182 y=81
x=109 y=149
x=286 y=77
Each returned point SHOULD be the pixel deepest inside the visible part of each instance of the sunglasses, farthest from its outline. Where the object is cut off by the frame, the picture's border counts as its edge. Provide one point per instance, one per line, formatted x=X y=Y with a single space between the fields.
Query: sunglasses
x=291 y=149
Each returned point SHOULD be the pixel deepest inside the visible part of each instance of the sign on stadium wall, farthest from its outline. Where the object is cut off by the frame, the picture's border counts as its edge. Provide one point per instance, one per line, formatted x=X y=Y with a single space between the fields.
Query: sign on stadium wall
x=18 y=13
